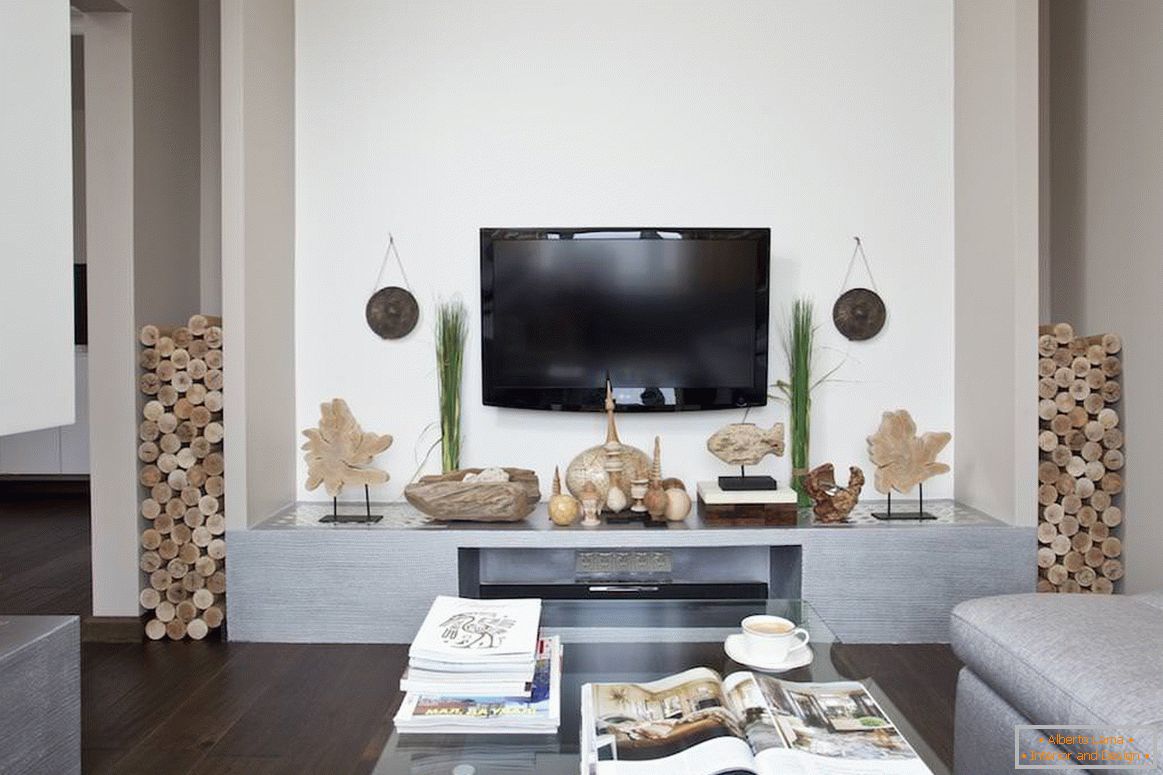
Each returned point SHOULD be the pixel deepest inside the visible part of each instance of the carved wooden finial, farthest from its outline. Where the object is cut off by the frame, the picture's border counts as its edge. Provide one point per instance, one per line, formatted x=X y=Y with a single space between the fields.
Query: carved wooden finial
x=557 y=480
x=611 y=427
x=656 y=467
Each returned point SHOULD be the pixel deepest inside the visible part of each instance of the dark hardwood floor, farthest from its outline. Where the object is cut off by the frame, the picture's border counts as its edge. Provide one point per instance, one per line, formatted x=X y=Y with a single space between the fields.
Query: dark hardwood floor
x=44 y=555
x=216 y=707
x=919 y=678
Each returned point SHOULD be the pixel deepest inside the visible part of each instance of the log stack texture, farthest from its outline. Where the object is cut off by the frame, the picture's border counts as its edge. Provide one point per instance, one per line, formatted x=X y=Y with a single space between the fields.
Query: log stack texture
x=181 y=476
x=1080 y=466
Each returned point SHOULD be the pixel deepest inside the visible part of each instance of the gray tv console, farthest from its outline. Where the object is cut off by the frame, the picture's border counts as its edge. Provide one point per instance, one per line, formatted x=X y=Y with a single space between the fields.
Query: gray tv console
x=291 y=579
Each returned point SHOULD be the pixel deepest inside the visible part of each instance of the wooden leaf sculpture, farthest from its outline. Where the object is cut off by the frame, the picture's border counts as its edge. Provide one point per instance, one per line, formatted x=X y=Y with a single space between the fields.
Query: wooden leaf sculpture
x=338 y=451
x=904 y=460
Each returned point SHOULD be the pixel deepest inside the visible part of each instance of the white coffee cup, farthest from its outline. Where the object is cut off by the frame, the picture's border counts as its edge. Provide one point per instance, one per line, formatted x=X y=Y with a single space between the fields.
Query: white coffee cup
x=772 y=637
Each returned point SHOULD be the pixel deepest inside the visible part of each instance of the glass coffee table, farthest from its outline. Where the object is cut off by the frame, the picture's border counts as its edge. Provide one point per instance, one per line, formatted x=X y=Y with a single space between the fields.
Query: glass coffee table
x=625 y=641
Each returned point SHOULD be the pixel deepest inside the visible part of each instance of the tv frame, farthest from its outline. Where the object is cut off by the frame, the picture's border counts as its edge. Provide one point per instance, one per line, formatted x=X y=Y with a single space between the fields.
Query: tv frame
x=591 y=399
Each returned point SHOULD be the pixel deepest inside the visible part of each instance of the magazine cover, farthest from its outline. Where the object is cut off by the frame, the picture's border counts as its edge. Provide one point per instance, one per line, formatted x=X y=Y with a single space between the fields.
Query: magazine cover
x=463 y=631
x=697 y=722
x=539 y=712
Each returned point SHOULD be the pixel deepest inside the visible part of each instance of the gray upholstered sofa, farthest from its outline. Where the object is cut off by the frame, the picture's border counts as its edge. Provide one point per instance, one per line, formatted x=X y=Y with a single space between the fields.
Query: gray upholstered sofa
x=1055 y=659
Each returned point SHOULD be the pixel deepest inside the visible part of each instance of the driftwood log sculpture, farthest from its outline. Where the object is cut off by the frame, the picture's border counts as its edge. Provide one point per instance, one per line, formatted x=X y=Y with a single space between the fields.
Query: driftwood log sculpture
x=1080 y=443
x=903 y=459
x=833 y=503
x=338 y=451
x=745 y=444
x=181 y=475
x=449 y=497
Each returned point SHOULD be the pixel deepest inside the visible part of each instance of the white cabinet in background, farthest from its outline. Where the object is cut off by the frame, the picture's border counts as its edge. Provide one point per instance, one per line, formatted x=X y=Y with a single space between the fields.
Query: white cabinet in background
x=36 y=216
x=75 y=437
x=62 y=450
x=32 y=452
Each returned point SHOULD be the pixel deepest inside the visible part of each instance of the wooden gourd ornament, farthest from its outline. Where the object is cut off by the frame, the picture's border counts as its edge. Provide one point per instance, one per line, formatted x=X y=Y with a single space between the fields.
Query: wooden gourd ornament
x=563 y=509
x=611 y=463
x=678 y=502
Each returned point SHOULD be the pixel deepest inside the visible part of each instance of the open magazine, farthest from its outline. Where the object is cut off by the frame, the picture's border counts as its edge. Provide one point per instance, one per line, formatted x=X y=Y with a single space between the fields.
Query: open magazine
x=698 y=723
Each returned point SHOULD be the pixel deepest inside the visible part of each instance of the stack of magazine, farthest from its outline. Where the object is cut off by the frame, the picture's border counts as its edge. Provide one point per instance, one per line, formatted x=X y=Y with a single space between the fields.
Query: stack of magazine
x=482 y=666
x=698 y=723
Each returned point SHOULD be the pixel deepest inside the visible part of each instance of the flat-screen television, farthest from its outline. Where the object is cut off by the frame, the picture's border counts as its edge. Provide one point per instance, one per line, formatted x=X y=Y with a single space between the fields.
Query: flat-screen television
x=675 y=318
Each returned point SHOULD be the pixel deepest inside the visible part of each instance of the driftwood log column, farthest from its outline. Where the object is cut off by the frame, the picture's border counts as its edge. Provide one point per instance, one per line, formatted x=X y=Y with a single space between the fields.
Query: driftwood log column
x=182 y=533
x=1080 y=468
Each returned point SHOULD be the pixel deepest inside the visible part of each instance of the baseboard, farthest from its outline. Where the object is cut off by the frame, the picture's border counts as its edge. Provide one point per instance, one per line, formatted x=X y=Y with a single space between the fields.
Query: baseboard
x=111 y=629
x=17 y=486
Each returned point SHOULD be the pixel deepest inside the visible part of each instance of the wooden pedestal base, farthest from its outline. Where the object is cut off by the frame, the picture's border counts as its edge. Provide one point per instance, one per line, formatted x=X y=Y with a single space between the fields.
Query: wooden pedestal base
x=748 y=514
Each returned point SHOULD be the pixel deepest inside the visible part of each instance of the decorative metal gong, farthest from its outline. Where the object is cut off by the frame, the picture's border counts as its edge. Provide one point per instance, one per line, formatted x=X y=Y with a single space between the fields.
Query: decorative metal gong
x=859 y=313
x=392 y=311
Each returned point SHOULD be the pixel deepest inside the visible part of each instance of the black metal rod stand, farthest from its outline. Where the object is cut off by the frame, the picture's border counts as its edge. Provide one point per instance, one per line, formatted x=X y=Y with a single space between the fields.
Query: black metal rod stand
x=367 y=517
x=919 y=514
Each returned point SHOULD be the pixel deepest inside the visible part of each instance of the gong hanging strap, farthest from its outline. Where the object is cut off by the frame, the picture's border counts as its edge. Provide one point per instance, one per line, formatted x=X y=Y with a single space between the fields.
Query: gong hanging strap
x=858 y=250
x=391 y=251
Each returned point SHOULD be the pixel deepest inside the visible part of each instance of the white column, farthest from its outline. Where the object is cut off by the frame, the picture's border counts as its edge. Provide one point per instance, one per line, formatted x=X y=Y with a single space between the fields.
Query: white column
x=258 y=262
x=996 y=233
x=112 y=336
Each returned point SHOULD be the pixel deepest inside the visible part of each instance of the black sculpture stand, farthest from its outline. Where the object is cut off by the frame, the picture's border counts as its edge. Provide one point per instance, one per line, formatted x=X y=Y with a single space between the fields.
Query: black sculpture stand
x=744 y=482
x=626 y=517
x=918 y=515
x=366 y=518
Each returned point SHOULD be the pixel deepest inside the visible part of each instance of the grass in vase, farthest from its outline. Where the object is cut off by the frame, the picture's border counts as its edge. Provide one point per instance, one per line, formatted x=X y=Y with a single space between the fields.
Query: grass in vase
x=451 y=335
x=799 y=346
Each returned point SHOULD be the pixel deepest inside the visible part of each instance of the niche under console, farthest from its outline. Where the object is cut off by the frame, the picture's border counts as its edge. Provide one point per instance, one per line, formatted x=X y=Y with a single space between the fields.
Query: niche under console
x=670 y=573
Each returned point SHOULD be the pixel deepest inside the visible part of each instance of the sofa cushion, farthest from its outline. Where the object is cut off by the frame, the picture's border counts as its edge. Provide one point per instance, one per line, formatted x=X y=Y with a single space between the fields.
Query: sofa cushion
x=1154 y=599
x=1067 y=659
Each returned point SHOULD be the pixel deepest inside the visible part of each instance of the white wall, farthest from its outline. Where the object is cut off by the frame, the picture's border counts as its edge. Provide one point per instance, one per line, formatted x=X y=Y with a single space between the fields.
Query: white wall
x=166 y=167
x=1106 y=103
x=210 y=172
x=258 y=226
x=820 y=120
x=36 y=217
x=998 y=243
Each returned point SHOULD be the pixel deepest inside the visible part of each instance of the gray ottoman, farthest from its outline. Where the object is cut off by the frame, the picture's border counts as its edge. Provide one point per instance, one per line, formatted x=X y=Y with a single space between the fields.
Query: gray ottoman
x=1054 y=659
x=40 y=695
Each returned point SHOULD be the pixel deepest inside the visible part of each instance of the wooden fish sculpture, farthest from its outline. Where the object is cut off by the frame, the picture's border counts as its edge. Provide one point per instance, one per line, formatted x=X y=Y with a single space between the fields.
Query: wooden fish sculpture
x=745 y=444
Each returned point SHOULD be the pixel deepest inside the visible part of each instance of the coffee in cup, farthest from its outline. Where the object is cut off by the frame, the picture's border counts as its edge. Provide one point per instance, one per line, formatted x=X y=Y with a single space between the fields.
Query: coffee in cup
x=771 y=638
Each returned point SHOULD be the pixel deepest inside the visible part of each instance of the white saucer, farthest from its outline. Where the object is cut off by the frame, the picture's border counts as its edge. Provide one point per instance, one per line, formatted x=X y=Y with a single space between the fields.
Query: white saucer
x=736 y=648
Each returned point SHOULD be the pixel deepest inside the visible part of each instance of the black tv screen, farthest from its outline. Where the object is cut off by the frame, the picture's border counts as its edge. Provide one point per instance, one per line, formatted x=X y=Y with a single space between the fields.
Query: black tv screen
x=675 y=318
